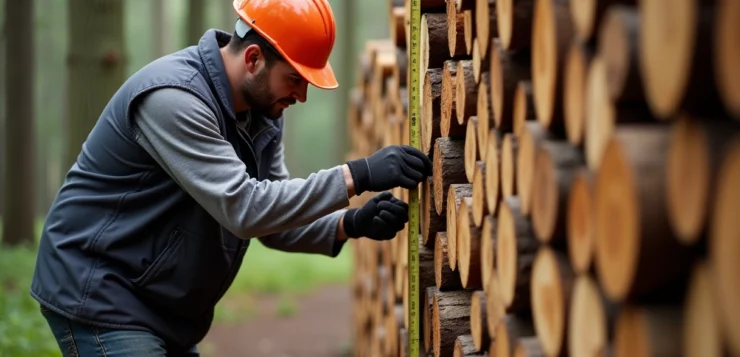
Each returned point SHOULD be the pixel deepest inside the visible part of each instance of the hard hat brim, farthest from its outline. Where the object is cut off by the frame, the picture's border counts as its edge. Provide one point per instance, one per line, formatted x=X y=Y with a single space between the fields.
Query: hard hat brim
x=323 y=78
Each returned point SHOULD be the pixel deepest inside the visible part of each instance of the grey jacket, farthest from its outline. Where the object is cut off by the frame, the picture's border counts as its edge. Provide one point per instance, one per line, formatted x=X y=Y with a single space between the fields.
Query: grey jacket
x=153 y=220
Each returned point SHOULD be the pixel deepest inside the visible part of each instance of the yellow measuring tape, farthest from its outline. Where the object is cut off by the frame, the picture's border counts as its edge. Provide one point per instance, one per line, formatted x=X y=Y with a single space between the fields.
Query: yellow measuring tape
x=414 y=210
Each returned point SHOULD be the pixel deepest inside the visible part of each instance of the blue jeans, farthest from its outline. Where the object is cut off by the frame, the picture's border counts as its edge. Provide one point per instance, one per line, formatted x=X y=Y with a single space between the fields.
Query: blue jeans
x=79 y=340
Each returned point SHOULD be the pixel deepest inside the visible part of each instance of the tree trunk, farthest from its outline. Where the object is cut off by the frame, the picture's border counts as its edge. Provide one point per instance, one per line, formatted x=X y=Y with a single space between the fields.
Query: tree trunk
x=195 y=25
x=96 y=65
x=19 y=124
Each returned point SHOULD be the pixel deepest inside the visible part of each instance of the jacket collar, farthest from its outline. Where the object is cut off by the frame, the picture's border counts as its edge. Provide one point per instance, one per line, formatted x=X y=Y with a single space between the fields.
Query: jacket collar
x=209 y=49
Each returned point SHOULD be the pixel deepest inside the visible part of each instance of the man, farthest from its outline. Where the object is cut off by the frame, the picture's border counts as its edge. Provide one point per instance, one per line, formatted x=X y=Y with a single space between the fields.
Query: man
x=185 y=166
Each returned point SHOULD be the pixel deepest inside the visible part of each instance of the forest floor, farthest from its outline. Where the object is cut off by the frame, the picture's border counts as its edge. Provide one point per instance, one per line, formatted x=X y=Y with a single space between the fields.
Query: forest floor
x=317 y=324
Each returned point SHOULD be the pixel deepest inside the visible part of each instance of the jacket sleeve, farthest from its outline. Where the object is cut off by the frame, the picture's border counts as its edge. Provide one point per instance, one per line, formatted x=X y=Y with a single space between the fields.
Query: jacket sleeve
x=316 y=237
x=181 y=133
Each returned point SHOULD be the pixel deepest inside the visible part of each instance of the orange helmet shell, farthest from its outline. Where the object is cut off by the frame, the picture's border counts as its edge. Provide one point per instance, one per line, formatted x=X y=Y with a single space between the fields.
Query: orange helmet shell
x=303 y=31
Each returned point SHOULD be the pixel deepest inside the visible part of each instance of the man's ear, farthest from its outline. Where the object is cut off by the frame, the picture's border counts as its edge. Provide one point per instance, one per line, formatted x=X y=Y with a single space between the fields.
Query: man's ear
x=253 y=58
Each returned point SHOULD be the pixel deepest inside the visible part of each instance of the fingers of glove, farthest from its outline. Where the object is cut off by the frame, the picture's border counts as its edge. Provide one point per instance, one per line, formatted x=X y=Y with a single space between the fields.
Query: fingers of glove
x=423 y=157
x=383 y=196
x=406 y=182
x=411 y=172
x=397 y=210
x=393 y=221
x=383 y=231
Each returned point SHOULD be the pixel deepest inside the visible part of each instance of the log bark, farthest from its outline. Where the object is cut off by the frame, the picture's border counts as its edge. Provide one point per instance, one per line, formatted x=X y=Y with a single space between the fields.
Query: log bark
x=676 y=58
x=427 y=321
x=451 y=318
x=455 y=31
x=523 y=107
x=450 y=127
x=632 y=229
x=552 y=286
x=529 y=347
x=445 y=278
x=580 y=222
x=509 y=330
x=471 y=147
x=556 y=166
x=464 y=347
x=509 y=150
x=397 y=26
x=431 y=222
x=551 y=38
x=694 y=155
x=726 y=57
x=723 y=243
x=486 y=27
x=466 y=91
x=480 y=208
x=448 y=168
x=514 y=19
x=468 y=246
x=433 y=44
x=455 y=195
x=430 y=109
x=516 y=247
x=478 y=326
x=508 y=68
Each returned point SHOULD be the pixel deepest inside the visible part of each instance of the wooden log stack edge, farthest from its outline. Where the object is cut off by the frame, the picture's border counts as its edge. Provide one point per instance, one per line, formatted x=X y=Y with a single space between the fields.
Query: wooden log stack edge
x=585 y=197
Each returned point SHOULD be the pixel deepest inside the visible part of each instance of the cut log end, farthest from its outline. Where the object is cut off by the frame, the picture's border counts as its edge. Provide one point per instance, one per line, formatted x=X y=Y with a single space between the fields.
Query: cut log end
x=471 y=147
x=516 y=247
x=725 y=243
x=701 y=328
x=648 y=331
x=576 y=65
x=587 y=335
x=493 y=169
x=551 y=293
x=581 y=221
x=556 y=164
x=480 y=208
x=509 y=149
x=726 y=55
x=444 y=277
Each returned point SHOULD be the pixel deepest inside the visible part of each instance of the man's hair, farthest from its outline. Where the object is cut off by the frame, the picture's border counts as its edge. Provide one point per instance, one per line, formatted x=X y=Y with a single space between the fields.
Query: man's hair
x=238 y=44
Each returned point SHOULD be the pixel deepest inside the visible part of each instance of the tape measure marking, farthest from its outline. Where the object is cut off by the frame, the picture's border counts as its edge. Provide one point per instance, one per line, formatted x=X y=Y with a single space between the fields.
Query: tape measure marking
x=414 y=211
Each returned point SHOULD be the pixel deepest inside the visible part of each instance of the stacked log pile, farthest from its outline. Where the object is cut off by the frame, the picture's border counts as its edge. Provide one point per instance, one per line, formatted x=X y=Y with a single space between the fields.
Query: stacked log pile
x=585 y=198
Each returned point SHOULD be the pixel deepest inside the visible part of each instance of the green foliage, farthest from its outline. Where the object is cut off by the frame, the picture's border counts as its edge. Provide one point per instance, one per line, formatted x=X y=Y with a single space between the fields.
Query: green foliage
x=23 y=330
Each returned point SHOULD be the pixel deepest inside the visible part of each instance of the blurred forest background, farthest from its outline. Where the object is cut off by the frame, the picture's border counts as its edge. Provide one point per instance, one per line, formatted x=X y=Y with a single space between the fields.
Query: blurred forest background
x=61 y=62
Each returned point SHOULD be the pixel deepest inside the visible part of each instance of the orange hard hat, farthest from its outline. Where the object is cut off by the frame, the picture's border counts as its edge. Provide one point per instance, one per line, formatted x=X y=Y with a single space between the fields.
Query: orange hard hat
x=302 y=31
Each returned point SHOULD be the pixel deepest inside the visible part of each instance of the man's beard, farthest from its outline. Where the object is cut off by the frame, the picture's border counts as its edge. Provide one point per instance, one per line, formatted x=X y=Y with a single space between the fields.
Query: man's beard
x=256 y=93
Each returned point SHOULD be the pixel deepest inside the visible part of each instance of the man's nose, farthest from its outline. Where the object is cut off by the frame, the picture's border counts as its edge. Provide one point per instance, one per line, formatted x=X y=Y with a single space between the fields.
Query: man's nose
x=301 y=93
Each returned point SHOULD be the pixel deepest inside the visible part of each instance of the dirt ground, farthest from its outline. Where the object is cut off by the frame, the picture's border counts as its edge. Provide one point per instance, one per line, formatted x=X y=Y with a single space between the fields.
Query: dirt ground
x=320 y=327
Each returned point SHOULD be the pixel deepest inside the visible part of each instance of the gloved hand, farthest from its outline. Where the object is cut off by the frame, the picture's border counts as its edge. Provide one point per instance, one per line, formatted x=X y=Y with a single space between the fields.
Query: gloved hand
x=390 y=167
x=379 y=218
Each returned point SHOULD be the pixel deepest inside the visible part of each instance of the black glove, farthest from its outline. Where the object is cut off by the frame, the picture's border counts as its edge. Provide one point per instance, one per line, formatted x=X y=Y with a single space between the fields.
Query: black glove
x=390 y=167
x=380 y=218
